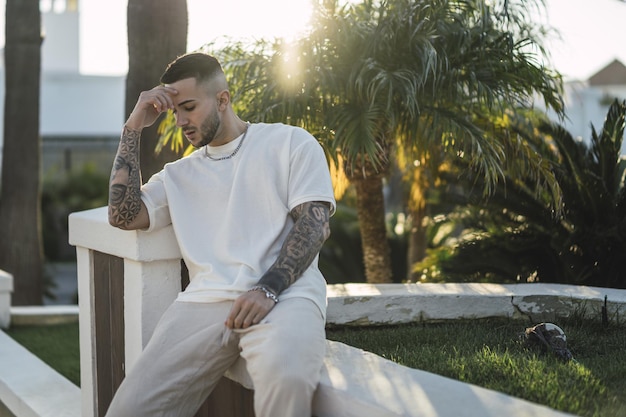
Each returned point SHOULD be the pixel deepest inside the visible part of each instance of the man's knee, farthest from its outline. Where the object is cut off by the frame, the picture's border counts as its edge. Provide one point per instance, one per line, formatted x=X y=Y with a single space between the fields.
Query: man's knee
x=287 y=374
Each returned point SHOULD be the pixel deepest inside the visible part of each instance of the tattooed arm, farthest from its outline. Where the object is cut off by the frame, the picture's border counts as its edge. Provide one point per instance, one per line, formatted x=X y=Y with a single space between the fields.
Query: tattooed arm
x=303 y=243
x=126 y=210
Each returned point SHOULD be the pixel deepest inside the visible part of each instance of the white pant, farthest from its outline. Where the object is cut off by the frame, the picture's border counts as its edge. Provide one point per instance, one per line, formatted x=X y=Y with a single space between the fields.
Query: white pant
x=188 y=354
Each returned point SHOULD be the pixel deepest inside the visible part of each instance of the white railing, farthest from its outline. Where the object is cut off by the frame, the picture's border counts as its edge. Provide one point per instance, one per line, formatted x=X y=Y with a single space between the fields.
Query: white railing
x=6 y=288
x=151 y=268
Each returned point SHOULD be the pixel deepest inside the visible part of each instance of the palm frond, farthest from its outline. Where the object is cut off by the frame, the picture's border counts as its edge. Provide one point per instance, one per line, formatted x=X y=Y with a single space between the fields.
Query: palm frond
x=606 y=147
x=583 y=244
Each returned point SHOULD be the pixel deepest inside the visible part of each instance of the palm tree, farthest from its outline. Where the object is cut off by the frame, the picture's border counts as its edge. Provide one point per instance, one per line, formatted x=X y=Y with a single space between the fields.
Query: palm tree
x=488 y=61
x=374 y=75
x=21 y=250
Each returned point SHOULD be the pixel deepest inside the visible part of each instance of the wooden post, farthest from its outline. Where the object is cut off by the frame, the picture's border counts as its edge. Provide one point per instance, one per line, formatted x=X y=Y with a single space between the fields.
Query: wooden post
x=108 y=285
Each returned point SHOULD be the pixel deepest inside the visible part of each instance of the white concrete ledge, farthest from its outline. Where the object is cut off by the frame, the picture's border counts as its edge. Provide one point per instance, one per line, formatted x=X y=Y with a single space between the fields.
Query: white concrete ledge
x=369 y=304
x=31 y=388
x=91 y=229
x=376 y=304
x=355 y=383
x=46 y=315
x=6 y=288
x=384 y=304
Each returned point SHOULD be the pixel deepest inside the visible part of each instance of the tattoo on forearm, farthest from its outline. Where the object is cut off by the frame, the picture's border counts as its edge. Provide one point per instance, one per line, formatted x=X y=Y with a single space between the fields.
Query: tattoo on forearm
x=303 y=243
x=125 y=183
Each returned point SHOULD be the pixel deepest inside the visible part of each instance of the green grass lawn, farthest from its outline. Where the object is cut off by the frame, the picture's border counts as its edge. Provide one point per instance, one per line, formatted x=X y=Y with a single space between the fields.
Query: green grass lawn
x=56 y=345
x=490 y=354
x=487 y=353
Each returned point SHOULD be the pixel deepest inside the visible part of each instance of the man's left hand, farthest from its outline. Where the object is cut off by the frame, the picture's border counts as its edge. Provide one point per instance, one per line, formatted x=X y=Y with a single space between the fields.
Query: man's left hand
x=249 y=309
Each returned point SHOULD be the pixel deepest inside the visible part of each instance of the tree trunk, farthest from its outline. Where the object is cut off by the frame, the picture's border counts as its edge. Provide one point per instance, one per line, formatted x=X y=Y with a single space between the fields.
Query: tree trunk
x=21 y=251
x=157 y=34
x=371 y=212
x=417 y=241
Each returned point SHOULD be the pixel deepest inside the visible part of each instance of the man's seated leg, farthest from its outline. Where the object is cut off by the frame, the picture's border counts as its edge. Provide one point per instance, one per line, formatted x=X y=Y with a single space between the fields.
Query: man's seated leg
x=181 y=364
x=284 y=356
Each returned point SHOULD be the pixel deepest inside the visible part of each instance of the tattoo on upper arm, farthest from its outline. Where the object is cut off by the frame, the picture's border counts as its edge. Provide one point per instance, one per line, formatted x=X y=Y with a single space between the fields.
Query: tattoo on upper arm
x=125 y=183
x=303 y=243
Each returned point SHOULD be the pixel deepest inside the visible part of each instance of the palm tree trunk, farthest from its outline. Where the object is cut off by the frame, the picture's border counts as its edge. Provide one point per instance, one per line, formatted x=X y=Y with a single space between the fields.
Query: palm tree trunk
x=21 y=250
x=417 y=241
x=157 y=34
x=371 y=212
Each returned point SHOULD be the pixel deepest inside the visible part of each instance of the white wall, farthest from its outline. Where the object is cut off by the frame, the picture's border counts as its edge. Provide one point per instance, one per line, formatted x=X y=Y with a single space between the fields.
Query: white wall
x=59 y=51
x=76 y=105
x=585 y=105
x=73 y=104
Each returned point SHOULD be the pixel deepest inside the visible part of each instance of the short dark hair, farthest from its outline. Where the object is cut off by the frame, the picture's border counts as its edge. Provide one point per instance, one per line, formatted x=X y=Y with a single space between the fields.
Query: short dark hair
x=202 y=67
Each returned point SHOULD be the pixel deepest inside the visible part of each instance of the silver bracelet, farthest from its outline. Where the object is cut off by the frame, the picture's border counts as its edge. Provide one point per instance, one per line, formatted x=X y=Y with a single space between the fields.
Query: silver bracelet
x=267 y=292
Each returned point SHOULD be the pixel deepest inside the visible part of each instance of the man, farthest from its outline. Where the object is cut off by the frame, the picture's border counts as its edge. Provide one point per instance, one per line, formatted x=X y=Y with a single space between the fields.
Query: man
x=250 y=210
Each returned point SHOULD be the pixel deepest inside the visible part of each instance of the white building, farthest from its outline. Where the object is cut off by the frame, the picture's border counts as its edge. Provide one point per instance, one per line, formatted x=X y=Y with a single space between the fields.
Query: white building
x=587 y=102
x=72 y=106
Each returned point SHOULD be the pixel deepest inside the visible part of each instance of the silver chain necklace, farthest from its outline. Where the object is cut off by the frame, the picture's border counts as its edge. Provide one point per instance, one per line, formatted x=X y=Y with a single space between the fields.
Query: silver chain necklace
x=221 y=158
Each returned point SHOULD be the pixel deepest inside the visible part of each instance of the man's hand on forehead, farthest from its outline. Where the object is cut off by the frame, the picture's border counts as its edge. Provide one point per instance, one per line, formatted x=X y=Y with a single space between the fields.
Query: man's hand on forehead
x=150 y=105
x=162 y=97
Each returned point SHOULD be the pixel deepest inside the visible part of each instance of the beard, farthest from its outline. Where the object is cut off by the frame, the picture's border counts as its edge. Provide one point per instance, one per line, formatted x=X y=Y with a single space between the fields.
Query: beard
x=209 y=128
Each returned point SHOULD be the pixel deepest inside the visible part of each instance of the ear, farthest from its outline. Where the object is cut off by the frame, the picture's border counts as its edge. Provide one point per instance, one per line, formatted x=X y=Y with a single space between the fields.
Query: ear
x=223 y=99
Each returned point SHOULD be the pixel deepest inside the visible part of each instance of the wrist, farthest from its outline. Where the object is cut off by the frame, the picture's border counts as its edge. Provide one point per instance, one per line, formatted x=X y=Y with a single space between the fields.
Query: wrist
x=129 y=126
x=273 y=281
x=268 y=293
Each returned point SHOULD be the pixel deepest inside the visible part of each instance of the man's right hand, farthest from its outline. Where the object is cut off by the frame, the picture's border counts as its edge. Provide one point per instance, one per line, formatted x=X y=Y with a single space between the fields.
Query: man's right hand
x=150 y=105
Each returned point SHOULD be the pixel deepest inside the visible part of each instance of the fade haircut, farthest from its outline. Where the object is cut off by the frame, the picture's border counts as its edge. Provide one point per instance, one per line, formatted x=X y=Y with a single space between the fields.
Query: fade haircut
x=202 y=67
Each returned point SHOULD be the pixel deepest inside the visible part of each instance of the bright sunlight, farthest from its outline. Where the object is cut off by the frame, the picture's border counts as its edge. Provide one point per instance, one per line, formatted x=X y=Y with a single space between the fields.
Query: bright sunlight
x=103 y=27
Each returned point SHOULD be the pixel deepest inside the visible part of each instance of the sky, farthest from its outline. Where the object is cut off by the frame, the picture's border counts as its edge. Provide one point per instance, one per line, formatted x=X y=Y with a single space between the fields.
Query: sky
x=591 y=31
x=592 y=35
x=208 y=20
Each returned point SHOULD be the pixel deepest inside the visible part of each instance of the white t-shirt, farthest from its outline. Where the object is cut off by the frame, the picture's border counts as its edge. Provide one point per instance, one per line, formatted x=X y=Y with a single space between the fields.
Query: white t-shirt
x=231 y=216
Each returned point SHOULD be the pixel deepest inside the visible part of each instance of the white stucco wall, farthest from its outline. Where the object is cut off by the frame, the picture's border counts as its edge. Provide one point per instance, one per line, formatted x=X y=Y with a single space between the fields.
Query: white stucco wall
x=59 y=51
x=586 y=106
x=74 y=104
